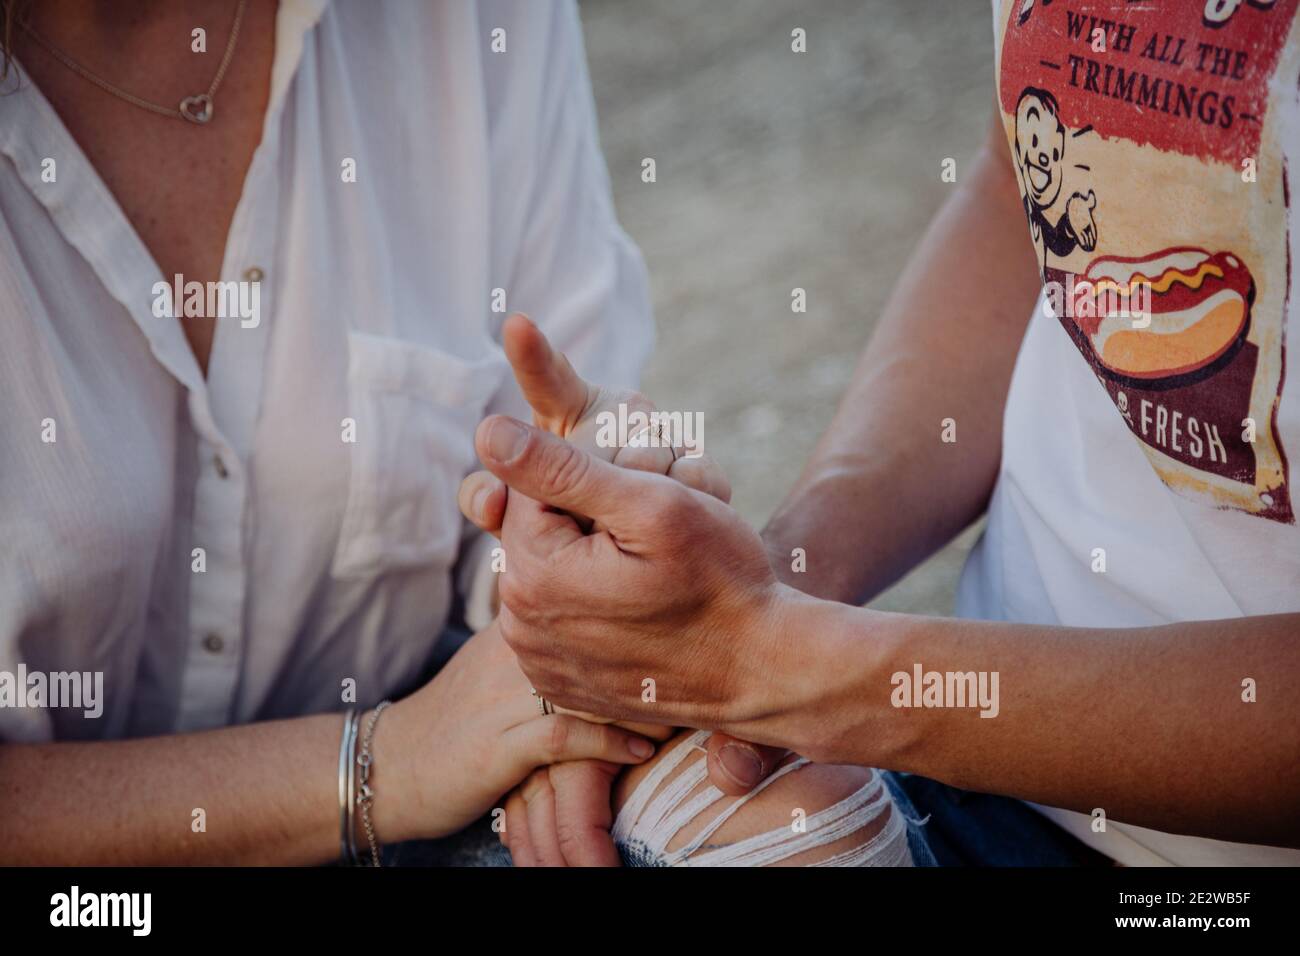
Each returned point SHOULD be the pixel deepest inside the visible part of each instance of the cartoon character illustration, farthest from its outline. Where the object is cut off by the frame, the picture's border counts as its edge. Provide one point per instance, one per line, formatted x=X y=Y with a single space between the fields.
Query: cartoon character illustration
x=1183 y=308
x=1040 y=160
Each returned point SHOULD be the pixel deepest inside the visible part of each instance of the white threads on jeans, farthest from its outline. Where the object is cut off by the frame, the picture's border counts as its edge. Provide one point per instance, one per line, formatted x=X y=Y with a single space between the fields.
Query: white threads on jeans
x=649 y=821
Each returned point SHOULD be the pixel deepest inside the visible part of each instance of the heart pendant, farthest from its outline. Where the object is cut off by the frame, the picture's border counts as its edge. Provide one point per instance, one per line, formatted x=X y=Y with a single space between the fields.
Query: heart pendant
x=197 y=109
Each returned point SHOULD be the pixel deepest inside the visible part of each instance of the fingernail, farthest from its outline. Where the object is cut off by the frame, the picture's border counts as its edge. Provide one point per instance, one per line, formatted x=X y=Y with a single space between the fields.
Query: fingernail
x=506 y=439
x=741 y=763
x=480 y=501
x=640 y=747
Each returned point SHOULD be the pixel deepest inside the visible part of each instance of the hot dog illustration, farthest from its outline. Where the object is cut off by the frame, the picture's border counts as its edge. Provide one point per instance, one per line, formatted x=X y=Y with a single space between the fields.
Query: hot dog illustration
x=1199 y=311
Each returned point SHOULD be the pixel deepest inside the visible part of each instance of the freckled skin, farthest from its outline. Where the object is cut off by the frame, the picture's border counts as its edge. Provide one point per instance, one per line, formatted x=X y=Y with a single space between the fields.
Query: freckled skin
x=177 y=183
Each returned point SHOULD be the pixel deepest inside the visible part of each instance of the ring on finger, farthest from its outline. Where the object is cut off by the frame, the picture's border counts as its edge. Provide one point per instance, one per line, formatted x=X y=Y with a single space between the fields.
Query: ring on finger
x=544 y=706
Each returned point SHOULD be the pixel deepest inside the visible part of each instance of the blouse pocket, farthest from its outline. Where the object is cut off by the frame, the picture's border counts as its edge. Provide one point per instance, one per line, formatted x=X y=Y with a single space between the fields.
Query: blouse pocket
x=415 y=409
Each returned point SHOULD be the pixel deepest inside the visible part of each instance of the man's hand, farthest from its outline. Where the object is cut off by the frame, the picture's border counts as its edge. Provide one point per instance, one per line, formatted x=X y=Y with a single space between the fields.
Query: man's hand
x=675 y=590
x=568 y=804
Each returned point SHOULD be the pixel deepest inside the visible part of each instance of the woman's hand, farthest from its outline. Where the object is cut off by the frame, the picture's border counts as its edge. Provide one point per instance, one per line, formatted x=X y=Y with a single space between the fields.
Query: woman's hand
x=561 y=816
x=570 y=408
x=471 y=734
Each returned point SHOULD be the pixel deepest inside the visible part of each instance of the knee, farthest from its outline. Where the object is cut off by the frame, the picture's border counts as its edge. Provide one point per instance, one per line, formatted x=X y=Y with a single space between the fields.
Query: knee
x=809 y=814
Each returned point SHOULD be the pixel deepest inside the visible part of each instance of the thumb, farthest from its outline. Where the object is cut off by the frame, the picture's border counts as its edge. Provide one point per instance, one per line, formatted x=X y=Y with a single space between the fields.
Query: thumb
x=550 y=470
x=557 y=394
x=737 y=766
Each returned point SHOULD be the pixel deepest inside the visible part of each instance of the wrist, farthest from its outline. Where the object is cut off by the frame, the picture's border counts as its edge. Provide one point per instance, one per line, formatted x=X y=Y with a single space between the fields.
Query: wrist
x=396 y=809
x=867 y=650
x=775 y=691
x=833 y=683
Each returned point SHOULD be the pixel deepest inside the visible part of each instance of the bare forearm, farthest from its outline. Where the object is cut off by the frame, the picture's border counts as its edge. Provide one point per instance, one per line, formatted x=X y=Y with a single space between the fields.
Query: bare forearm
x=883 y=489
x=1148 y=723
x=268 y=793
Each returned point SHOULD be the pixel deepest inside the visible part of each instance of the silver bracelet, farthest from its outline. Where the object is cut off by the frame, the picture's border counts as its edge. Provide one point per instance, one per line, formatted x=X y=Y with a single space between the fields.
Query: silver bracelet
x=347 y=786
x=343 y=784
x=365 y=793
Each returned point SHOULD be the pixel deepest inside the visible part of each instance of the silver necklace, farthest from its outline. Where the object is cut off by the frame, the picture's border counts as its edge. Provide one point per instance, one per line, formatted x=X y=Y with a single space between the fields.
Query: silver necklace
x=195 y=109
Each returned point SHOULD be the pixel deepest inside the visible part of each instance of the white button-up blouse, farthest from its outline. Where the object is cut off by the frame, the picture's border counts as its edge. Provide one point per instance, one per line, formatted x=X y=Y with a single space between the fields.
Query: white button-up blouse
x=238 y=548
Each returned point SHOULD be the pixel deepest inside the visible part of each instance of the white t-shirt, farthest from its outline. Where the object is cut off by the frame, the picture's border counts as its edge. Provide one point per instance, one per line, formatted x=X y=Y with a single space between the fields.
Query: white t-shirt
x=1153 y=145
x=235 y=548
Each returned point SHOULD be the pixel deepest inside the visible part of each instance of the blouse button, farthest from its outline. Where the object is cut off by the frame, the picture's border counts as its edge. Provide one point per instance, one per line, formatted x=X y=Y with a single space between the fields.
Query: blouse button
x=253 y=274
x=213 y=644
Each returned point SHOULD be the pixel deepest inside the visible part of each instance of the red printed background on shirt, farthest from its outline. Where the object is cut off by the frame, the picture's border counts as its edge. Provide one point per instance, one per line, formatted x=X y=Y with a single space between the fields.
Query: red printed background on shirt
x=1147 y=138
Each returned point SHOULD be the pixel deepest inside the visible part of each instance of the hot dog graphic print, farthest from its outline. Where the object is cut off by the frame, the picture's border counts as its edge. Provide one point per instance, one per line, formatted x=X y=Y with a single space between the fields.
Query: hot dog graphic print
x=1149 y=143
x=1199 y=313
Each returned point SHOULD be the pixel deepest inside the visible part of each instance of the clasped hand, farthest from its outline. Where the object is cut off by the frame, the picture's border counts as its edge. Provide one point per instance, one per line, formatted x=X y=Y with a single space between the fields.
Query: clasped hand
x=626 y=577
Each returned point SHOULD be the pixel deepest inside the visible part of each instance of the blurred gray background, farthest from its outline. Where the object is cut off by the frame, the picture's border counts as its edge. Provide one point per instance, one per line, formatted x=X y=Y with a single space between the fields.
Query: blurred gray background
x=778 y=169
